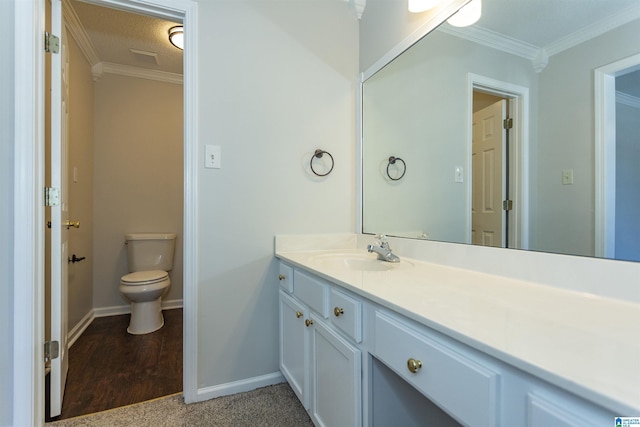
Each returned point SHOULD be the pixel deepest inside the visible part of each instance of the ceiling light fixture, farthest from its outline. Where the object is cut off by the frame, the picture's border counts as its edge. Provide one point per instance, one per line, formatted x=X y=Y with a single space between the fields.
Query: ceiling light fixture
x=176 y=36
x=467 y=15
x=417 y=6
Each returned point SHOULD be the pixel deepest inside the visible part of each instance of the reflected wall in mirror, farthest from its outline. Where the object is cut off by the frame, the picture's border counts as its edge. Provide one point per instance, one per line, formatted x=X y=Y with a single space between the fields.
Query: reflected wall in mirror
x=563 y=178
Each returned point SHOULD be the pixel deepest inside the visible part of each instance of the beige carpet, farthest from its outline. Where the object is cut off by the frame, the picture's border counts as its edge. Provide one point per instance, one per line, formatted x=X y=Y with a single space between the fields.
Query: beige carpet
x=275 y=405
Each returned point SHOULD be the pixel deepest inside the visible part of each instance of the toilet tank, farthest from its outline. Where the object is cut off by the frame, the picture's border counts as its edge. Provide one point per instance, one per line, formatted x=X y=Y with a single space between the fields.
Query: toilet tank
x=150 y=251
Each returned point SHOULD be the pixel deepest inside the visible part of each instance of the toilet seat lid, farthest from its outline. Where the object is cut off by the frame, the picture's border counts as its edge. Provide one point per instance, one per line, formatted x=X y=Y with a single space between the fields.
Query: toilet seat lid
x=144 y=277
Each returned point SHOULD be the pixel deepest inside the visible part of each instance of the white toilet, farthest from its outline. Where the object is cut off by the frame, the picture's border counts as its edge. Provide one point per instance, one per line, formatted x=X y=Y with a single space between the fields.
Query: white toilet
x=150 y=257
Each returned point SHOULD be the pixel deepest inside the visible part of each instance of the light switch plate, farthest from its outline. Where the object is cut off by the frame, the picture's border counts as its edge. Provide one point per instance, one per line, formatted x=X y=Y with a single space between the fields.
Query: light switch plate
x=212 y=156
x=459 y=174
x=567 y=177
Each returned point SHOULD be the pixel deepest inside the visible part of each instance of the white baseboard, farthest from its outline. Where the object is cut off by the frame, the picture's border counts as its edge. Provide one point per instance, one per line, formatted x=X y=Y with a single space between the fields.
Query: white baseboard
x=84 y=323
x=239 y=386
x=80 y=327
x=126 y=309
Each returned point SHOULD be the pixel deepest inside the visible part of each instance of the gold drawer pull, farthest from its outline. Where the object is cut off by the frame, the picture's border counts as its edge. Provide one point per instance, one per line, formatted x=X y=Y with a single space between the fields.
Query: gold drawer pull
x=308 y=322
x=338 y=311
x=281 y=277
x=414 y=365
x=298 y=314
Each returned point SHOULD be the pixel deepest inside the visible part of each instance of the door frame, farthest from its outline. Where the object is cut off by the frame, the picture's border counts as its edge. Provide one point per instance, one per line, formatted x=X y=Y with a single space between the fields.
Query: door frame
x=519 y=152
x=28 y=283
x=605 y=151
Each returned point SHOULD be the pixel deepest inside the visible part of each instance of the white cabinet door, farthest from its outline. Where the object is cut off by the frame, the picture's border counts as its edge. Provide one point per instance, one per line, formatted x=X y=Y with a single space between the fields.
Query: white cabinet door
x=294 y=346
x=336 y=382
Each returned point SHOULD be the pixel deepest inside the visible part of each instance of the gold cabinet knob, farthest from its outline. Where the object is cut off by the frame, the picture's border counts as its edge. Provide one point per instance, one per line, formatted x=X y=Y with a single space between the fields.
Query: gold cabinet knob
x=308 y=322
x=414 y=365
x=74 y=224
x=281 y=277
x=299 y=314
x=338 y=311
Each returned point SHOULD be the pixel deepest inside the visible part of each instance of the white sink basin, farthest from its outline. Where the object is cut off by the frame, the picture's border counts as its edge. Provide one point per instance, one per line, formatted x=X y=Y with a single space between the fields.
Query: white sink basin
x=358 y=261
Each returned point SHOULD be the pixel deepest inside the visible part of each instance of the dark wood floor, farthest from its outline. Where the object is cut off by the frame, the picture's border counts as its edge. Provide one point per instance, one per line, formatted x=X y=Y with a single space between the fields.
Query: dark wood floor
x=109 y=368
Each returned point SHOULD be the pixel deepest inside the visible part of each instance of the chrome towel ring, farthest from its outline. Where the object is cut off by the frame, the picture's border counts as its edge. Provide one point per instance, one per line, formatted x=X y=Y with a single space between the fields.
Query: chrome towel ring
x=392 y=161
x=318 y=154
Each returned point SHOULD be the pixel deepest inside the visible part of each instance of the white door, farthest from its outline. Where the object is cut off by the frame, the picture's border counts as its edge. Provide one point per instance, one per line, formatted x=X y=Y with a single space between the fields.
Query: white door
x=59 y=212
x=487 y=175
x=294 y=346
x=336 y=381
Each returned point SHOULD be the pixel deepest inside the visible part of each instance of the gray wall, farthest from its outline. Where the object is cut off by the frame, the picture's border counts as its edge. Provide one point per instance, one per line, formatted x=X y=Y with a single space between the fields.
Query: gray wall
x=6 y=213
x=566 y=141
x=277 y=81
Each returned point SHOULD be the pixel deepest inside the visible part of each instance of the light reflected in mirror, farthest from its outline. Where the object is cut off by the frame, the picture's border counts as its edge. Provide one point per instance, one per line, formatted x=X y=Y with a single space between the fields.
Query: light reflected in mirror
x=562 y=178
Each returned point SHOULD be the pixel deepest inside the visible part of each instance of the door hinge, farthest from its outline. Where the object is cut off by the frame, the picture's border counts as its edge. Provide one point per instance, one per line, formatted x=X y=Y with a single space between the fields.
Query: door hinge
x=51 y=196
x=507 y=205
x=51 y=43
x=507 y=123
x=51 y=350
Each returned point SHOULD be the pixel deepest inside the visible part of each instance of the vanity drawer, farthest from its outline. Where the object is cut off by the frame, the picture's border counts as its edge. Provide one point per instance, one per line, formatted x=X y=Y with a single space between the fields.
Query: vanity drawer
x=311 y=291
x=346 y=314
x=461 y=386
x=285 y=275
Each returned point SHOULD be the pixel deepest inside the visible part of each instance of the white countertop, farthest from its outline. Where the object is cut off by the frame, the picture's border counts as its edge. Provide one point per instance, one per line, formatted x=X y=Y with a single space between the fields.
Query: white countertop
x=586 y=344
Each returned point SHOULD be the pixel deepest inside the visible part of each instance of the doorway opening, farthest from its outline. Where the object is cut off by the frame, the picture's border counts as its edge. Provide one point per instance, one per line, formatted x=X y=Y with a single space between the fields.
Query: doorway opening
x=617 y=107
x=502 y=186
x=139 y=156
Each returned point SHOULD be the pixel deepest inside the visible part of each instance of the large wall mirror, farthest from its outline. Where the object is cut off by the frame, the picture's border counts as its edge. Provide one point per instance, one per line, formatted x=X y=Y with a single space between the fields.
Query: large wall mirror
x=520 y=131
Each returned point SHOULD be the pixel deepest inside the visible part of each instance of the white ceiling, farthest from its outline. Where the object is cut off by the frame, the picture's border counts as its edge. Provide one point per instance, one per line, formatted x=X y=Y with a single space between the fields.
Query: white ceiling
x=542 y=22
x=113 y=33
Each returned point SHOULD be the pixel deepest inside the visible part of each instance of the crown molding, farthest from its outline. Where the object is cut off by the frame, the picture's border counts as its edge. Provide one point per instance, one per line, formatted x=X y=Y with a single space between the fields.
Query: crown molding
x=99 y=69
x=539 y=56
x=594 y=30
x=357 y=6
x=78 y=32
x=493 y=39
x=628 y=100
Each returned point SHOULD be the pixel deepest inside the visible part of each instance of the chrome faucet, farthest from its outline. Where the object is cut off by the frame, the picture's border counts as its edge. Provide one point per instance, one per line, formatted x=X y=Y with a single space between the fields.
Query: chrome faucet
x=383 y=249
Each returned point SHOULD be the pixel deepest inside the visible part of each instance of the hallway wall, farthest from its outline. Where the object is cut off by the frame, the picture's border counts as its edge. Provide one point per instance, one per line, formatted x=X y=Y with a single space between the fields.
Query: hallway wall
x=138 y=176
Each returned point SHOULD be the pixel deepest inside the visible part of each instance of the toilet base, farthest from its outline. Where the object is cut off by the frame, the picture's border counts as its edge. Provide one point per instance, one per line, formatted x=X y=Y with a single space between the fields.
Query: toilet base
x=146 y=317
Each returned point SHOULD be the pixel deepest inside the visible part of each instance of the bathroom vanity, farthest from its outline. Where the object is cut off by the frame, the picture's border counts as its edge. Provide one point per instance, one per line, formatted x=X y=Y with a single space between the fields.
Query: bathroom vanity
x=365 y=342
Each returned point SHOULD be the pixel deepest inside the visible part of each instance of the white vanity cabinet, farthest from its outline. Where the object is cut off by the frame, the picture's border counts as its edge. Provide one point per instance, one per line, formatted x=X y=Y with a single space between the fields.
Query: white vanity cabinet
x=355 y=360
x=322 y=366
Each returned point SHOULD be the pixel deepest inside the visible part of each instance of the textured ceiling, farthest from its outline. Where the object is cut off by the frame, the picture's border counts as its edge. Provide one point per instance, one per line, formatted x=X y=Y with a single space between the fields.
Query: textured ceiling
x=114 y=32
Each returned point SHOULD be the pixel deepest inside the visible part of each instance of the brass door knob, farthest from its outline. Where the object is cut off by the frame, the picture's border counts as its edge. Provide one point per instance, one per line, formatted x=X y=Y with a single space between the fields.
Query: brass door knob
x=308 y=322
x=74 y=224
x=338 y=311
x=281 y=277
x=414 y=365
x=298 y=314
